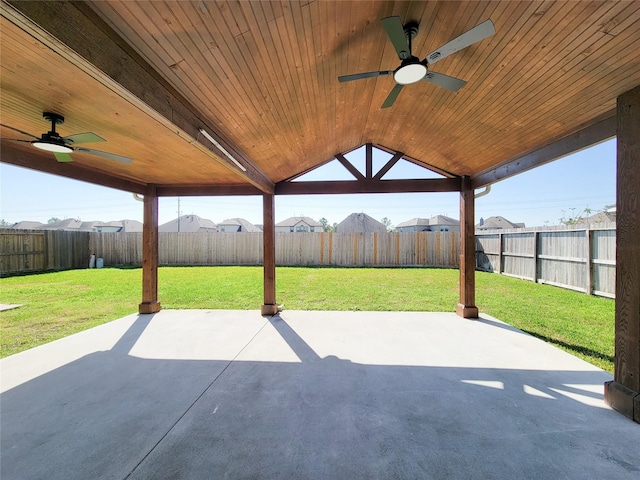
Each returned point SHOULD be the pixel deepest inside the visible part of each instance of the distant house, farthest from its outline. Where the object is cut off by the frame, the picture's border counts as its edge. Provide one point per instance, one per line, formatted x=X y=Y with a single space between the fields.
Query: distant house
x=27 y=225
x=438 y=223
x=299 y=224
x=237 y=225
x=119 y=226
x=608 y=217
x=414 y=225
x=107 y=227
x=188 y=223
x=497 y=223
x=442 y=223
x=131 y=226
x=360 y=222
x=66 y=224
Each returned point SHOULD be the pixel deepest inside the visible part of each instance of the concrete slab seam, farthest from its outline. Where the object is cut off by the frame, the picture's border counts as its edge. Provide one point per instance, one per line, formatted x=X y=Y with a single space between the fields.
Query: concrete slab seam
x=195 y=401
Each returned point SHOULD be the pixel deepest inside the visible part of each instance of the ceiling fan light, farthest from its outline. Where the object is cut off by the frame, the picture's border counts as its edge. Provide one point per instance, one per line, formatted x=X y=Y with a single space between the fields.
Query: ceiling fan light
x=51 y=147
x=412 y=73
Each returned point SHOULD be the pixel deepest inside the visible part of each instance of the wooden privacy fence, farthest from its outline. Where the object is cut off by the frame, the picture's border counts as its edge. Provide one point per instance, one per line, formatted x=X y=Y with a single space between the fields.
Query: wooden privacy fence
x=431 y=249
x=26 y=251
x=582 y=259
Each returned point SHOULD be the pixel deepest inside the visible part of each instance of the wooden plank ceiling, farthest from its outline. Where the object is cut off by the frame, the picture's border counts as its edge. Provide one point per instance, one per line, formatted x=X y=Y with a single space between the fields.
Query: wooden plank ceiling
x=262 y=76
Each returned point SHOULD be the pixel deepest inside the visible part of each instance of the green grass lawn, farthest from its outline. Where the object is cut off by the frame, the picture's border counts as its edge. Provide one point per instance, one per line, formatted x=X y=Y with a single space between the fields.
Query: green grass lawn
x=62 y=303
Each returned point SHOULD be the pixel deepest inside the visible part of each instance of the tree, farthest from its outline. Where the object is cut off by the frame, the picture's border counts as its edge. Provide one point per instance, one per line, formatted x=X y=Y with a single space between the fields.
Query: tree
x=4 y=223
x=574 y=218
x=325 y=224
x=53 y=220
x=387 y=223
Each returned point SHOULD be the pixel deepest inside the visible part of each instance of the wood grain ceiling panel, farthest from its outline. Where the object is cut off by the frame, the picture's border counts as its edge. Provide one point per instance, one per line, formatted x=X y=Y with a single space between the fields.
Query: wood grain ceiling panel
x=35 y=79
x=265 y=75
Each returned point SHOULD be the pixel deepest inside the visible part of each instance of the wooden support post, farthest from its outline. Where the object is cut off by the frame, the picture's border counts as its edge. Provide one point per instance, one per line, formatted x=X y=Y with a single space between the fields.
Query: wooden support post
x=467 y=308
x=623 y=393
x=270 y=307
x=150 y=303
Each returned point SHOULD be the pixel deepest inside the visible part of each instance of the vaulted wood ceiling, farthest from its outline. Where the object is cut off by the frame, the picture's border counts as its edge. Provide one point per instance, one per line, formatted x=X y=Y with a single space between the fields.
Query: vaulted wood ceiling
x=262 y=78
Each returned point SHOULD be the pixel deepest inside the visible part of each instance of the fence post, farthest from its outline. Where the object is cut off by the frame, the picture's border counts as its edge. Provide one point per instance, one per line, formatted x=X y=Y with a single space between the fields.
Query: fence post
x=500 y=251
x=536 y=237
x=589 y=272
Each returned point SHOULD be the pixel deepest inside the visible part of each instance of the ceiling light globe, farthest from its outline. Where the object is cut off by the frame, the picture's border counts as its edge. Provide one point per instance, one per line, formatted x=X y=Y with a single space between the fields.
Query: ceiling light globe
x=52 y=147
x=411 y=73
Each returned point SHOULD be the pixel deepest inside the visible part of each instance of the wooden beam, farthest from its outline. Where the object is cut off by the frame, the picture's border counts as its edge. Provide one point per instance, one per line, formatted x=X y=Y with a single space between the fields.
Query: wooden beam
x=388 y=166
x=368 y=186
x=47 y=163
x=623 y=393
x=270 y=306
x=369 y=160
x=205 y=190
x=596 y=133
x=77 y=33
x=419 y=163
x=349 y=166
x=466 y=308
x=150 y=303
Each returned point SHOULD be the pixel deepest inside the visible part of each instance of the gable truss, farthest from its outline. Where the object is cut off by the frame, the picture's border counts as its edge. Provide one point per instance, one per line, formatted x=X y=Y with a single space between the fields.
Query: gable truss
x=368 y=182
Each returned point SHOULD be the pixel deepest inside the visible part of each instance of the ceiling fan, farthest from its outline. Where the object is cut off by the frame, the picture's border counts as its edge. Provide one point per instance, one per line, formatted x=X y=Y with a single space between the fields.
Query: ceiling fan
x=63 y=146
x=412 y=69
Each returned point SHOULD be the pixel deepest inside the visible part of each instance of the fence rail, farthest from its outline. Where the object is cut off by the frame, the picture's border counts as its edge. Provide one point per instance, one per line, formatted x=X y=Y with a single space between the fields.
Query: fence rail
x=582 y=259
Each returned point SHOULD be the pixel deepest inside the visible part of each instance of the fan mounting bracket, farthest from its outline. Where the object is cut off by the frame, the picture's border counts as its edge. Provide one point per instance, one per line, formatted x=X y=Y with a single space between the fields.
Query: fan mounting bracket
x=54 y=118
x=411 y=30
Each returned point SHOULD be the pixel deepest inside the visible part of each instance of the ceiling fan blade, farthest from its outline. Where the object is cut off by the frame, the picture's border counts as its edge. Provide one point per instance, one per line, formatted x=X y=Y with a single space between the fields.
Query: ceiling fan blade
x=19 y=131
x=110 y=156
x=477 y=33
x=395 y=31
x=88 y=137
x=63 y=157
x=393 y=94
x=450 y=83
x=358 y=76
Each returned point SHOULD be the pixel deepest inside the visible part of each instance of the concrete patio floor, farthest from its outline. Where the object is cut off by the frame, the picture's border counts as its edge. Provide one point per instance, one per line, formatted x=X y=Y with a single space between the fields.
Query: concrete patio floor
x=203 y=394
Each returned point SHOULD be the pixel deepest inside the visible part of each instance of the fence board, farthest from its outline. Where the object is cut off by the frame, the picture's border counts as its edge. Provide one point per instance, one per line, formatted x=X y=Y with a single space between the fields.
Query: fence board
x=578 y=258
x=28 y=251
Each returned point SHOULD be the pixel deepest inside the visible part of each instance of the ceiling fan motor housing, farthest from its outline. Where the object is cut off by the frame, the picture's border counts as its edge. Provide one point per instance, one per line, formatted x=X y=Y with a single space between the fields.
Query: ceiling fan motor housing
x=411 y=70
x=52 y=141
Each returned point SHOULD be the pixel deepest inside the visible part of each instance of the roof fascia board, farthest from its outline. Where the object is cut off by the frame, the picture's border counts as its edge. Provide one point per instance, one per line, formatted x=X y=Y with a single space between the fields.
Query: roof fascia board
x=31 y=160
x=77 y=33
x=206 y=190
x=597 y=132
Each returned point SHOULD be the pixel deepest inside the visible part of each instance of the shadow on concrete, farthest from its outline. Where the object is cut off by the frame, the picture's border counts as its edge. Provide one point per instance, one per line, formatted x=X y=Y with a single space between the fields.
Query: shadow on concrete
x=112 y=415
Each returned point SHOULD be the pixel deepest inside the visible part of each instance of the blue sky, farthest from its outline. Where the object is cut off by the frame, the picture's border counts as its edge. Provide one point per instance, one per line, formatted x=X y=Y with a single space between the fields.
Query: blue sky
x=537 y=197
